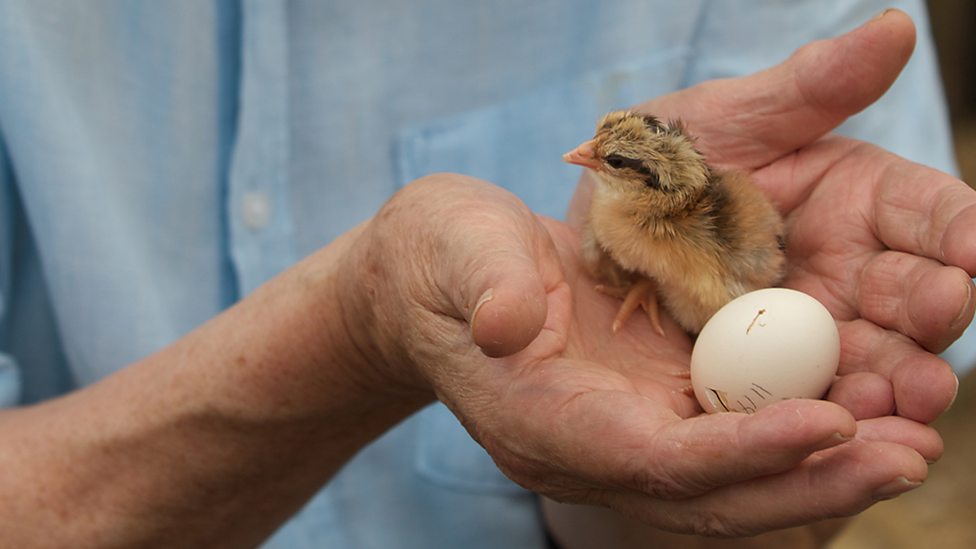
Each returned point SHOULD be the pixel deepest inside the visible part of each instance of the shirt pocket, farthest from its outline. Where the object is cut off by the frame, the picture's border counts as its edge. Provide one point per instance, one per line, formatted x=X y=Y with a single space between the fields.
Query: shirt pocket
x=518 y=143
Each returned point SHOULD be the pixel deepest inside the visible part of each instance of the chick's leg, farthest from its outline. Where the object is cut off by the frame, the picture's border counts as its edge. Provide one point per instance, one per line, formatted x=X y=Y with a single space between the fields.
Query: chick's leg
x=642 y=293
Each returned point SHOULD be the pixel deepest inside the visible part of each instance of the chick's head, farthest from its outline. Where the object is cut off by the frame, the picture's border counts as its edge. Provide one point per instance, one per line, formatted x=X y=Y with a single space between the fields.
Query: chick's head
x=643 y=159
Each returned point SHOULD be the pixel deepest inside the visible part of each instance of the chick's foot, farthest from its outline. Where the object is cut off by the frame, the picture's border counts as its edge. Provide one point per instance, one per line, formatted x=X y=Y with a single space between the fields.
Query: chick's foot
x=642 y=293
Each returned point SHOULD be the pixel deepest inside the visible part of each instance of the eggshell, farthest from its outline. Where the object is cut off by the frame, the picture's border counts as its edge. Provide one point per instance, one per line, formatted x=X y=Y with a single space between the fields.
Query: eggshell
x=763 y=347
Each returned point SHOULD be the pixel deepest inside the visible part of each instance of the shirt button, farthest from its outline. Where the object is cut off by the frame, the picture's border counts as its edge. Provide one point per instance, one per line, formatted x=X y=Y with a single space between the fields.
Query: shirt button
x=256 y=210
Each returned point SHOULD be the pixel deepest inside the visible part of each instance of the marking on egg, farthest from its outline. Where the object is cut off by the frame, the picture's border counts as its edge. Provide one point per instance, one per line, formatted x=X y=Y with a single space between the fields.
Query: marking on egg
x=722 y=398
x=747 y=409
x=756 y=318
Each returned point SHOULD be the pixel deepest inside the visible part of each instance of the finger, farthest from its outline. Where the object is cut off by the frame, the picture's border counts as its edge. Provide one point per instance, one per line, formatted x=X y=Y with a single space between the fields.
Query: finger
x=919 y=297
x=921 y=438
x=924 y=392
x=772 y=440
x=495 y=265
x=864 y=394
x=925 y=212
x=841 y=481
x=923 y=385
x=510 y=307
x=908 y=207
x=683 y=458
x=749 y=122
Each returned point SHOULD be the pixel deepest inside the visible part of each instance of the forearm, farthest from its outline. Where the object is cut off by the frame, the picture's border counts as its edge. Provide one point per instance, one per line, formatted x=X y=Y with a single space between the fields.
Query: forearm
x=213 y=441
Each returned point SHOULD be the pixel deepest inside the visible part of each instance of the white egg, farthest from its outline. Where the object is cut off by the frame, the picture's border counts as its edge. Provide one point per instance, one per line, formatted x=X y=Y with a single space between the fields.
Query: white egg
x=763 y=347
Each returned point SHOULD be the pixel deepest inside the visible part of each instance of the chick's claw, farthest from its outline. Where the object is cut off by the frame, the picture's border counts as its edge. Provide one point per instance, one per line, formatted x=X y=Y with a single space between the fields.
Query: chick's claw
x=643 y=294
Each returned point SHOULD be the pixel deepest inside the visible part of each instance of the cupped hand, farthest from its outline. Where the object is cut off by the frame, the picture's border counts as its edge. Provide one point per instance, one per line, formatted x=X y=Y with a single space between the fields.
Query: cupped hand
x=470 y=297
x=454 y=271
x=887 y=245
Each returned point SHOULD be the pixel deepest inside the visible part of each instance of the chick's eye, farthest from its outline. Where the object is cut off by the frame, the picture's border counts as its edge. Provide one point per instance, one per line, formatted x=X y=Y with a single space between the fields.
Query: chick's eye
x=617 y=162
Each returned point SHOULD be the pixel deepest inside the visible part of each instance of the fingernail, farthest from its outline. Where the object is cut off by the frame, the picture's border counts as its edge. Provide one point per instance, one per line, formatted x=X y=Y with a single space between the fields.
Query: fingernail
x=895 y=488
x=485 y=298
x=966 y=311
x=882 y=14
x=954 y=395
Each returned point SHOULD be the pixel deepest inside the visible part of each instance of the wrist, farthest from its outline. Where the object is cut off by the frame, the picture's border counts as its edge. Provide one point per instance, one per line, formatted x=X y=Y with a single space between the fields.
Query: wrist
x=300 y=349
x=374 y=314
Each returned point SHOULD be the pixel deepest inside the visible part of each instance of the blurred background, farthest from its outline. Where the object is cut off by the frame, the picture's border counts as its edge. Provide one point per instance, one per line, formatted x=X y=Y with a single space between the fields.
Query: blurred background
x=941 y=513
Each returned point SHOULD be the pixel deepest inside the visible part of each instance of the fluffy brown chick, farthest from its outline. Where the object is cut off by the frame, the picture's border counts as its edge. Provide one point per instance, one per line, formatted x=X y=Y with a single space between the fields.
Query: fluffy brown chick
x=662 y=222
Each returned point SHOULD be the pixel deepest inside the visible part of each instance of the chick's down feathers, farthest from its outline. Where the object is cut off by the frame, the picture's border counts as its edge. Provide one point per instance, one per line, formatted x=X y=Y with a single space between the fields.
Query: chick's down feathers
x=664 y=224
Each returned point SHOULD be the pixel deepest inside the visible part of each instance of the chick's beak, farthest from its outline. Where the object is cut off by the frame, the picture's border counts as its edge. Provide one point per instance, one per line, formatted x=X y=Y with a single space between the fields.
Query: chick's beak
x=584 y=155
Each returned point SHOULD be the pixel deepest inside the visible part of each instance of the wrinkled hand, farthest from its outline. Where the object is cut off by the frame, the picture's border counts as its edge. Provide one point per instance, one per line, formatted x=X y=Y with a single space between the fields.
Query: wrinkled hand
x=454 y=271
x=884 y=243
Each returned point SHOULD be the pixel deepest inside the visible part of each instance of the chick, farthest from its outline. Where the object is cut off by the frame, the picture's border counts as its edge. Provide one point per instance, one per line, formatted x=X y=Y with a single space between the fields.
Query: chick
x=663 y=222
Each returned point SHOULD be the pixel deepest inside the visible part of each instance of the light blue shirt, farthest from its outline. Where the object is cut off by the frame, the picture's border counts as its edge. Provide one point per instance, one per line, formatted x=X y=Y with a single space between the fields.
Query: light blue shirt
x=160 y=160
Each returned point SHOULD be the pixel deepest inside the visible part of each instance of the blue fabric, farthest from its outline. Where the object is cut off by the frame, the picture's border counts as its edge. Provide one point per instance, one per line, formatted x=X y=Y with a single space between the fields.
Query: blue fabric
x=159 y=160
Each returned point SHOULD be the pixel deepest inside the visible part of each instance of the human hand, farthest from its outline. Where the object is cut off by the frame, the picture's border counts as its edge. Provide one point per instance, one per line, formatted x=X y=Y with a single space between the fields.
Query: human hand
x=568 y=409
x=572 y=413
x=884 y=243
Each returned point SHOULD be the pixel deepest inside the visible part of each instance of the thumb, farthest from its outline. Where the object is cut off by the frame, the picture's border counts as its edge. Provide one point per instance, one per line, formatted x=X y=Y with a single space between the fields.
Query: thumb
x=503 y=265
x=510 y=310
x=750 y=121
